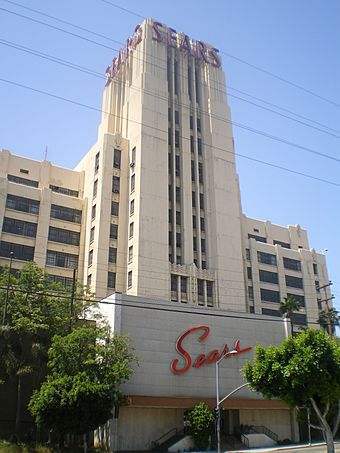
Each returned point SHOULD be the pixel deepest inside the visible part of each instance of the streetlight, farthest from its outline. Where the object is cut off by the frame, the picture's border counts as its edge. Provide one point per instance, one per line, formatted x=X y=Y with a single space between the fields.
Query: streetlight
x=11 y=254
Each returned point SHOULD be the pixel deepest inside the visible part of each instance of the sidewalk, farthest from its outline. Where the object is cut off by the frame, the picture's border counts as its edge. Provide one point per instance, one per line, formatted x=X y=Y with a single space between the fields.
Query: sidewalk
x=282 y=447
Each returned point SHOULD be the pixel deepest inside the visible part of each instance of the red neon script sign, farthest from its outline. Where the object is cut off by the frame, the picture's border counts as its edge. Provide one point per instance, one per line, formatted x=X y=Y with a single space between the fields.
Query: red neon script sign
x=202 y=359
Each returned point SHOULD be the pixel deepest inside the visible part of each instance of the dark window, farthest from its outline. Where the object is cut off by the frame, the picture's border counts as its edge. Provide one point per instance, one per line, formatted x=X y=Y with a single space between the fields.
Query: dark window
x=90 y=260
x=65 y=281
x=315 y=269
x=132 y=207
x=193 y=172
x=257 y=238
x=178 y=165
x=20 y=252
x=178 y=259
x=199 y=146
x=194 y=225
x=92 y=234
x=117 y=158
x=256 y=230
x=111 y=279
x=89 y=280
x=317 y=286
x=267 y=295
x=95 y=188
x=96 y=163
x=184 y=284
x=285 y=245
x=178 y=194
x=203 y=245
x=20 y=227
x=112 y=255
x=198 y=124
x=251 y=309
x=178 y=218
x=200 y=172
x=64 y=213
x=24 y=181
x=269 y=312
x=22 y=204
x=130 y=253
x=202 y=223
x=131 y=230
x=193 y=199
x=63 y=236
x=269 y=277
x=178 y=240
x=176 y=76
x=289 y=263
x=170 y=215
x=194 y=243
x=210 y=288
x=177 y=139
x=176 y=117
x=64 y=191
x=129 y=279
x=204 y=264
x=191 y=122
x=189 y=83
x=192 y=145
x=266 y=258
x=22 y=170
x=113 y=231
x=133 y=155
x=294 y=282
x=249 y=273
x=93 y=212
x=174 y=283
x=200 y=287
x=115 y=184
x=114 y=208
x=300 y=319
x=61 y=259
x=298 y=298
x=248 y=256
x=170 y=237
x=169 y=136
x=250 y=293
x=201 y=200
x=133 y=183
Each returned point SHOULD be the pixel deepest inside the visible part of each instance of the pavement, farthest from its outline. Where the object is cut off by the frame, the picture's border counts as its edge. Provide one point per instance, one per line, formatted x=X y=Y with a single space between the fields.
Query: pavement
x=315 y=447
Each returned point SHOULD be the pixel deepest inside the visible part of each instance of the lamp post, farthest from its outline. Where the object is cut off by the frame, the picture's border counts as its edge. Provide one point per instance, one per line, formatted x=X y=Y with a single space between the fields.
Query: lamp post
x=11 y=254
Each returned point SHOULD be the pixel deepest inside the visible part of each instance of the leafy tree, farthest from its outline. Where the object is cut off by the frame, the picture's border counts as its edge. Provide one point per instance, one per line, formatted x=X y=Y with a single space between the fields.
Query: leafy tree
x=201 y=422
x=37 y=309
x=328 y=319
x=287 y=309
x=303 y=370
x=87 y=367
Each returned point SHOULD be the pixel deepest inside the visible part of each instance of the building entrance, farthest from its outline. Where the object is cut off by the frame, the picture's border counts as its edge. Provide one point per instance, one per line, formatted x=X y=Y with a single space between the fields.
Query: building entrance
x=230 y=422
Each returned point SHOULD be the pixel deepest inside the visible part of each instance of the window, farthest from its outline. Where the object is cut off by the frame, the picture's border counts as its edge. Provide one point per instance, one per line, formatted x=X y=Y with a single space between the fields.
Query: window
x=203 y=249
x=176 y=76
x=317 y=286
x=131 y=230
x=61 y=259
x=114 y=208
x=194 y=243
x=248 y=256
x=201 y=200
x=285 y=245
x=257 y=238
x=189 y=83
x=115 y=184
x=269 y=277
x=133 y=156
x=169 y=136
x=192 y=144
x=96 y=163
x=111 y=279
x=90 y=258
x=20 y=227
x=210 y=288
x=112 y=255
x=65 y=281
x=92 y=234
x=129 y=279
x=113 y=231
x=132 y=207
x=64 y=213
x=200 y=288
x=89 y=280
x=178 y=240
x=298 y=298
x=133 y=183
x=200 y=172
x=95 y=188
x=249 y=273
x=250 y=293
x=266 y=258
x=294 y=282
x=191 y=122
x=64 y=191
x=269 y=312
x=22 y=170
x=315 y=269
x=178 y=194
x=184 y=284
x=199 y=124
x=300 y=319
x=193 y=172
x=193 y=199
x=267 y=295
x=251 y=309
x=22 y=204
x=204 y=264
x=130 y=253
x=176 y=117
x=116 y=158
x=177 y=139
x=174 y=283
x=289 y=263
x=194 y=224
x=24 y=181
x=199 y=146
x=93 y=213
x=178 y=218
x=21 y=252
x=178 y=165
x=202 y=223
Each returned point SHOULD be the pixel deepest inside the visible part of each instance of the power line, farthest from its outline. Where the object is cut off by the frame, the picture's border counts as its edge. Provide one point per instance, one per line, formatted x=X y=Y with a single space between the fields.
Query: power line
x=80 y=104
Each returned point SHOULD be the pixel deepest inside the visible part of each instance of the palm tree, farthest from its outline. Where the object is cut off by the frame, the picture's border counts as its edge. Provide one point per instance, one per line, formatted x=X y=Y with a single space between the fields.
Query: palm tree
x=328 y=319
x=287 y=309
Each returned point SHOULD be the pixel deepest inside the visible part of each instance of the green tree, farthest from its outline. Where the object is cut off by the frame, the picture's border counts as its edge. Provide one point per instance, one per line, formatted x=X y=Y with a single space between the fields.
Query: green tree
x=37 y=309
x=86 y=367
x=287 y=309
x=201 y=423
x=303 y=370
x=328 y=319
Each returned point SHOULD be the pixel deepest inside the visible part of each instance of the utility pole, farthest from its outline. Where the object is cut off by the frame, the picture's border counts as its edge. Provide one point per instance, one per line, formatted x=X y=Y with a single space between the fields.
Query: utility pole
x=72 y=297
x=326 y=300
x=4 y=320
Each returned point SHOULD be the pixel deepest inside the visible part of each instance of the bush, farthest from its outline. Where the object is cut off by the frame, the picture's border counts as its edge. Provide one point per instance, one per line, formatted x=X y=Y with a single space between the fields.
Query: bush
x=201 y=423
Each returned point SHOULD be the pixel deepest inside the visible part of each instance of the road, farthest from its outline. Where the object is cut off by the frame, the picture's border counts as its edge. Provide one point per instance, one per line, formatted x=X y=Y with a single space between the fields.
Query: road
x=319 y=448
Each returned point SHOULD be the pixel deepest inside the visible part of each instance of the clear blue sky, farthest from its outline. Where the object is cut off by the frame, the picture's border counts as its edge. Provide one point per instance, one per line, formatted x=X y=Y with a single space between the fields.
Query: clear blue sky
x=296 y=40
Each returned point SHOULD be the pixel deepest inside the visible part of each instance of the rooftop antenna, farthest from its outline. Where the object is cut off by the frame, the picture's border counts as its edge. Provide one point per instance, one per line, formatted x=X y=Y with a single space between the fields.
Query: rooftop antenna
x=46 y=152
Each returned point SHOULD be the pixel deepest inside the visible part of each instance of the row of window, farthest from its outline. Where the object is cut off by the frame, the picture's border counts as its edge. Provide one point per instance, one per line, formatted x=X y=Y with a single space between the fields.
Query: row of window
x=257 y=238
x=288 y=263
